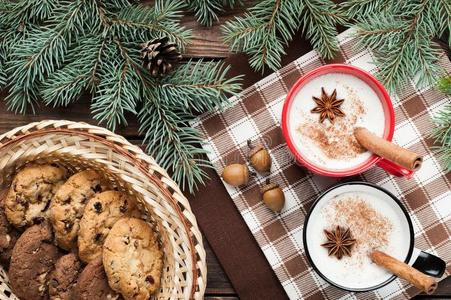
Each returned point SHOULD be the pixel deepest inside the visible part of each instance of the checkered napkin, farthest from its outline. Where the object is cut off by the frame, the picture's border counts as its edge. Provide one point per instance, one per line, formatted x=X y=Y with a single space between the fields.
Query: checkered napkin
x=256 y=115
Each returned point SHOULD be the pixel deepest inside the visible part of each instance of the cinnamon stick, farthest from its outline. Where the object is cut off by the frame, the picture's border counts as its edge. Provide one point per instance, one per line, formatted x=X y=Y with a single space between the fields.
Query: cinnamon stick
x=404 y=271
x=379 y=146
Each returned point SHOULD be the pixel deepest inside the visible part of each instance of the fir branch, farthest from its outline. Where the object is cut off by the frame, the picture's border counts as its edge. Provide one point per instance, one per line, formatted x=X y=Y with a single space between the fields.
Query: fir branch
x=40 y=54
x=168 y=109
x=319 y=22
x=173 y=143
x=207 y=11
x=442 y=135
x=17 y=20
x=115 y=5
x=65 y=85
x=198 y=86
x=93 y=46
x=266 y=29
x=362 y=9
x=444 y=85
x=401 y=41
x=147 y=23
x=118 y=92
x=3 y=75
x=27 y=11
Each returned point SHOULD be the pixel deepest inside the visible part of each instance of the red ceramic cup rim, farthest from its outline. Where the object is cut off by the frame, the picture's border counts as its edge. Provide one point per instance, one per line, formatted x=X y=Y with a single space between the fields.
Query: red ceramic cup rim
x=367 y=78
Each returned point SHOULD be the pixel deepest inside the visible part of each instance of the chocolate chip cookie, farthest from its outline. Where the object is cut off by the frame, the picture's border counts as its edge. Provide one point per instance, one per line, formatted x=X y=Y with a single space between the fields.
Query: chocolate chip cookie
x=32 y=261
x=92 y=283
x=64 y=277
x=69 y=204
x=101 y=212
x=30 y=193
x=8 y=234
x=132 y=259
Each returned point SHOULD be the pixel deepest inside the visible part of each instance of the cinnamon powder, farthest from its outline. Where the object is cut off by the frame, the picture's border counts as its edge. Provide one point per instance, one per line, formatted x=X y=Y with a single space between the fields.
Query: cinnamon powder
x=336 y=140
x=369 y=227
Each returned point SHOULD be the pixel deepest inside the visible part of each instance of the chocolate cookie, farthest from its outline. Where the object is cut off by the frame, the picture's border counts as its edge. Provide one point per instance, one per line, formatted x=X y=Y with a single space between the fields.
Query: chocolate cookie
x=30 y=193
x=69 y=204
x=64 y=277
x=99 y=216
x=8 y=234
x=32 y=260
x=132 y=259
x=92 y=283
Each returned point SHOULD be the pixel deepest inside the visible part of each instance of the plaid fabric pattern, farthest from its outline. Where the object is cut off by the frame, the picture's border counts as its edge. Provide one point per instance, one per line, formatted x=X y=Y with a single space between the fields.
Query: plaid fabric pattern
x=256 y=115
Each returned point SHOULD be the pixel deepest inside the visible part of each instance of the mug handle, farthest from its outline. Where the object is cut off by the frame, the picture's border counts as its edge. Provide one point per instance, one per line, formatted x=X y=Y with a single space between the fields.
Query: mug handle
x=394 y=169
x=427 y=263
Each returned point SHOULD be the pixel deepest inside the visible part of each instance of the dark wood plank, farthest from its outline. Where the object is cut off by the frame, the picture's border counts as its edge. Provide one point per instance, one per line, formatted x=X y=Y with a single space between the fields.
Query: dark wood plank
x=78 y=111
x=221 y=298
x=217 y=281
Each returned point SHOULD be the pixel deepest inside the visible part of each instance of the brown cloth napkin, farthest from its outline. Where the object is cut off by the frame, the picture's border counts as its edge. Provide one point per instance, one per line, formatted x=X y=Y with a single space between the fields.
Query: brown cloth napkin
x=222 y=224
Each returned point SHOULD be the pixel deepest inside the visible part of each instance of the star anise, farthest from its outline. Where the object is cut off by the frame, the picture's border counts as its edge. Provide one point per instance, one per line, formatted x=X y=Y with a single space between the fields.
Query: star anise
x=339 y=242
x=328 y=106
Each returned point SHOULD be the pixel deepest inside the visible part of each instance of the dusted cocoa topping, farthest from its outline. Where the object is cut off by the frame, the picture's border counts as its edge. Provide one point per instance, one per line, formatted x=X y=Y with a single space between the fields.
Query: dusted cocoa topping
x=370 y=228
x=336 y=140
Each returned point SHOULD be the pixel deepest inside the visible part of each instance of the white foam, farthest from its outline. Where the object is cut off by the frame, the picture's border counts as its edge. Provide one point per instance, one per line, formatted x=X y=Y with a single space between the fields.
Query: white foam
x=357 y=271
x=347 y=87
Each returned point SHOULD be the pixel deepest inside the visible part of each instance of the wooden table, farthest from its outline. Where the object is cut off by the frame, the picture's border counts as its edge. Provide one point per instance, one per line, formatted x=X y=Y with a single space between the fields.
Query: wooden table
x=206 y=44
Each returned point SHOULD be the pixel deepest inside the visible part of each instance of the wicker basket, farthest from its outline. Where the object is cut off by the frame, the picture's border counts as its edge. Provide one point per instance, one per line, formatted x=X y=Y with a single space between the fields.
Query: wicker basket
x=79 y=146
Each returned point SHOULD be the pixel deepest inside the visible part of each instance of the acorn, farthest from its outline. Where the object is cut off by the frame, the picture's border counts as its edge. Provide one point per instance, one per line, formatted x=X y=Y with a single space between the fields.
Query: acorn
x=273 y=196
x=259 y=157
x=236 y=174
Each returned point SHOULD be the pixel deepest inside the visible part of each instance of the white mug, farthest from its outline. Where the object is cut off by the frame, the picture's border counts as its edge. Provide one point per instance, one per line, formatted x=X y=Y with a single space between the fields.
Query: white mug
x=424 y=262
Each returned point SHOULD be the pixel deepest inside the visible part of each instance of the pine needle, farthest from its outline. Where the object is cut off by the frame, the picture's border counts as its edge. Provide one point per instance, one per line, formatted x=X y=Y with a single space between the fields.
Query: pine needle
x=194 y=87
x=442 y=135
x=207 y=11
x=57 y=50
x=400 y=35
x=442 y=131
x=267 y=28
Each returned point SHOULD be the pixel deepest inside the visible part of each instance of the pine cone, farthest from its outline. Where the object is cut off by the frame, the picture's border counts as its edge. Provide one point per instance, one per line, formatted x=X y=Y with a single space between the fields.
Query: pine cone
x=159 y=56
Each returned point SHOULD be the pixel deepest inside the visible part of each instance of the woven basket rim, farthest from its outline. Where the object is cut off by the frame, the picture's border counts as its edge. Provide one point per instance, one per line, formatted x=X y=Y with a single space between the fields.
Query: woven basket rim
x=45 y=127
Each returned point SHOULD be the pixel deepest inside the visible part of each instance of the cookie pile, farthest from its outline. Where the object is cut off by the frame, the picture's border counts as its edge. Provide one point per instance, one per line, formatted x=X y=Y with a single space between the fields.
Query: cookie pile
x=74 y=237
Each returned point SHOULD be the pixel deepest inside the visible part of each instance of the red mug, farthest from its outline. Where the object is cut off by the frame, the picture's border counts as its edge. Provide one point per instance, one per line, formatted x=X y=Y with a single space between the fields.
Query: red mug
x=383 y=96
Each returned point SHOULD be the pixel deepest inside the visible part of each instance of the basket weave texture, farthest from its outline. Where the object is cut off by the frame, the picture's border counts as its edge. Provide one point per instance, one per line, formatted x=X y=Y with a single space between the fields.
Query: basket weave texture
x=79 y=146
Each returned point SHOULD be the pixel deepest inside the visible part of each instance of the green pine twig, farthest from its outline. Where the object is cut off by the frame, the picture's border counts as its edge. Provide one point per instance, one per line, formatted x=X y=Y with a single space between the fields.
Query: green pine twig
x=264 y=31
x=400 y=36
x=207 y=11
x=194 y=88
x=442 y=135
x=444 y=85
x=442 y=131
x=94 y=46
x=267 y=28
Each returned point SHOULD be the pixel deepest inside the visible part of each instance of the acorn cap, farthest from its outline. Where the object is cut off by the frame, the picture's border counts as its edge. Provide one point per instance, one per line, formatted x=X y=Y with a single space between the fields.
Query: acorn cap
x=256 y=149
x=268 y=187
